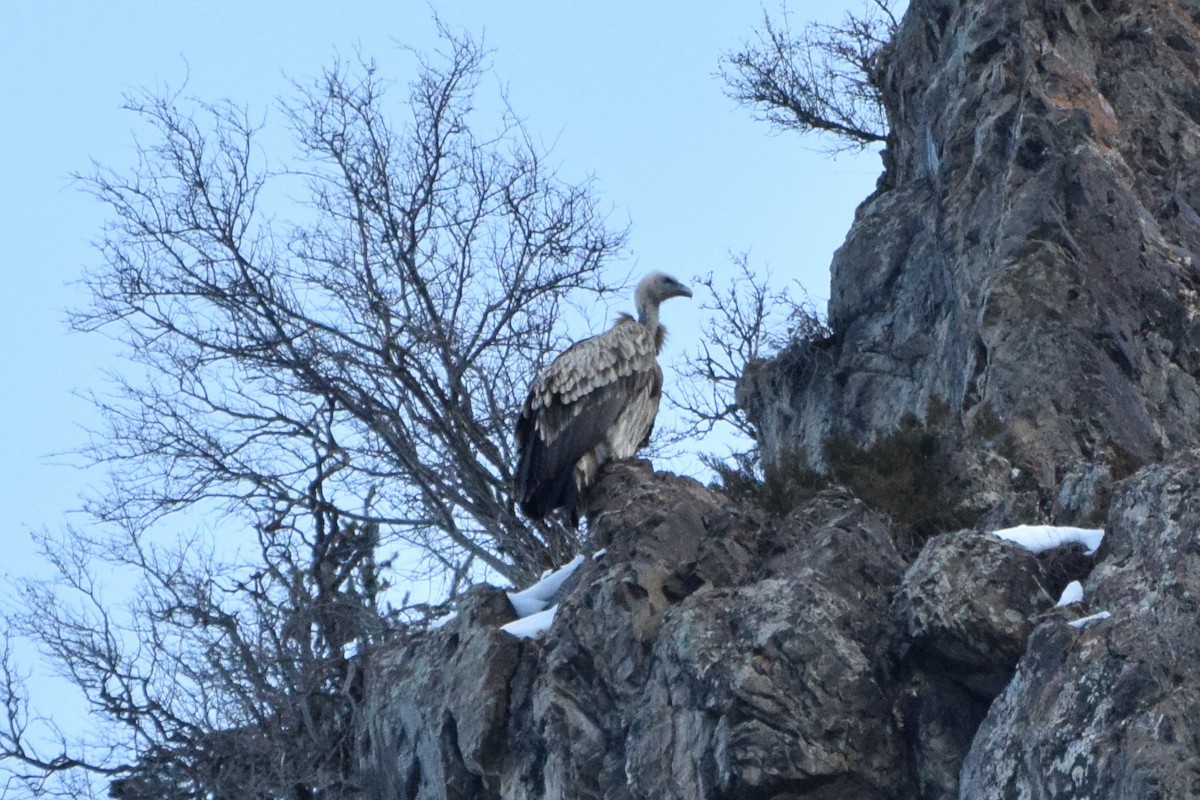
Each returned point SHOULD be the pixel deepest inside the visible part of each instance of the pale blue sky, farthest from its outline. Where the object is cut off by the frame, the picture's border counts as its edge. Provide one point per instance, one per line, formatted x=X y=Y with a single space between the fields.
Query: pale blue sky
x=622 y=89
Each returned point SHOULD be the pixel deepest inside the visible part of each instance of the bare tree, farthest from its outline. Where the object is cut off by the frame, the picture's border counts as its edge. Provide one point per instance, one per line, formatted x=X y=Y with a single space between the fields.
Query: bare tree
x=386 y=333
x=336 y=386
x=824 y=78
x=749 y=320
x=218 y=679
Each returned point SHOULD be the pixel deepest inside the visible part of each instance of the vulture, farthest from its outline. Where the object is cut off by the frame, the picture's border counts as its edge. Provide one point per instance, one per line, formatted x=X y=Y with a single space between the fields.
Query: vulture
x=594 y=403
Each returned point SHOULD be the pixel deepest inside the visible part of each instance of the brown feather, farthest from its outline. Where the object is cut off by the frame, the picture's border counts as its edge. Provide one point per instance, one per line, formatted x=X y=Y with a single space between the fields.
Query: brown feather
x=572 y=407
x=595 y=402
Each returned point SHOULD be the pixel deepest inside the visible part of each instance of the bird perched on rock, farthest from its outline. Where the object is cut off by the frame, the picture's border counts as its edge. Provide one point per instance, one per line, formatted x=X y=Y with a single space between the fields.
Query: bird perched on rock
x=595 y=402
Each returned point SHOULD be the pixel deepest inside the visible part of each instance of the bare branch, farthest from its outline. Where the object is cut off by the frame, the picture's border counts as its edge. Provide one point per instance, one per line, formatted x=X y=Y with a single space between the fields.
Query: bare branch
x=391 y=332
x=748 y=321
x=825 y=78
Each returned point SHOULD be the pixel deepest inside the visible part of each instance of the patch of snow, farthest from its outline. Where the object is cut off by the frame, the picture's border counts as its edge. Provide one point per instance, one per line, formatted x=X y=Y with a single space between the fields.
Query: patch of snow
x=1079 y=623
x=531 y=626
x=441 y=622
x=1072 y=594
x=1039 y=538
x=599 y=552
x=350 y=649
x=537 y=597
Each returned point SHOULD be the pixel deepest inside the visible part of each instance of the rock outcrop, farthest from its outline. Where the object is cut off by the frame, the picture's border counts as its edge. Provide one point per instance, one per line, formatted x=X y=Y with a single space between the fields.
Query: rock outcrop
x=1027 y=267
x=704 y=654
x=710 y=653
x=1030 y=254
x=1112 y=710
x=716 y=654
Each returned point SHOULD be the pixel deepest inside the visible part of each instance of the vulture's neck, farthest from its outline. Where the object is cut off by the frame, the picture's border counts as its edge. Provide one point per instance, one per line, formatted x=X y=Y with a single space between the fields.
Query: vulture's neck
x=648 y=313
x=648 y=316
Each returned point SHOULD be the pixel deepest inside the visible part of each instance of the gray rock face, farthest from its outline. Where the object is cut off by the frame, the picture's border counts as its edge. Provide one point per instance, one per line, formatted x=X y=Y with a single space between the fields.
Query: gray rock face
x=708 y=656
x=716 y=654
x=965 y=608
x=1030 y=253
x=1111 y=710
x=710 y=652
x=749 y=685
x=966 y=605
x=436 y=722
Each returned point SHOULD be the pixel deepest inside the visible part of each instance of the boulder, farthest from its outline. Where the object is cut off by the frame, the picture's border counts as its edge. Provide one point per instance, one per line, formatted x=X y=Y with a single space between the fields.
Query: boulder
x=1111 y=709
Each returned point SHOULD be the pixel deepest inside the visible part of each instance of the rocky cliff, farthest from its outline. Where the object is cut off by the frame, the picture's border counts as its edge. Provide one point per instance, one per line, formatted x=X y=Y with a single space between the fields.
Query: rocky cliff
x=1030 y=253
x=1027 y=268
x=709 y=652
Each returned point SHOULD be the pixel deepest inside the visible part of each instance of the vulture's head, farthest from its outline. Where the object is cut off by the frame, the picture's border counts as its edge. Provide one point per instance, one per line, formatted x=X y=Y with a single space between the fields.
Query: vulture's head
x=652 y=290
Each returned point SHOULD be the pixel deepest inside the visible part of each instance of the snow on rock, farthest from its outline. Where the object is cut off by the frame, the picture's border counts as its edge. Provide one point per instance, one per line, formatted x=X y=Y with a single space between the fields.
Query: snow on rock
x=1073 y=593
x=1079 y=623
x=1039 y=538
x=530 y=604
x=442 y=621
x=531 y=626
x=537 y=597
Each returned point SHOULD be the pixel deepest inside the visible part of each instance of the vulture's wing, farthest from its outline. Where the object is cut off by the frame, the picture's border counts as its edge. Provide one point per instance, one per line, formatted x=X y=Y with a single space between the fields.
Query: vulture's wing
x=573 y=403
